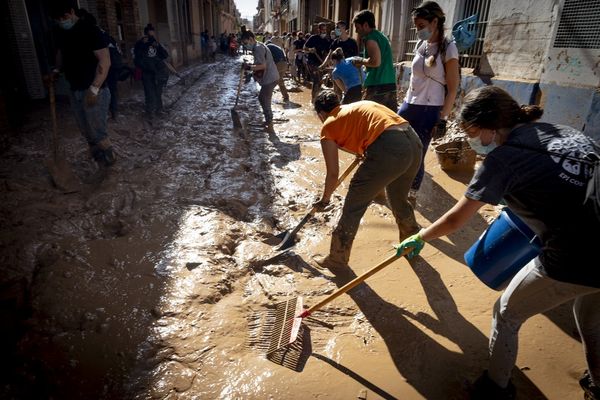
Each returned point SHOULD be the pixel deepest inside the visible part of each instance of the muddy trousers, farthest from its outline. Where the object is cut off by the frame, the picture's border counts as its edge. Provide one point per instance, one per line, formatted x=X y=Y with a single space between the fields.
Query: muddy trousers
x=282 y=69
x=391 y=163
x=532 y=292
x=265 y=96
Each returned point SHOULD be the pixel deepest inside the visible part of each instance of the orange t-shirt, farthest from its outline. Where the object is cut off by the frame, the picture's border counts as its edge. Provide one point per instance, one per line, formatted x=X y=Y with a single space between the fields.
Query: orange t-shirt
x=355 y=126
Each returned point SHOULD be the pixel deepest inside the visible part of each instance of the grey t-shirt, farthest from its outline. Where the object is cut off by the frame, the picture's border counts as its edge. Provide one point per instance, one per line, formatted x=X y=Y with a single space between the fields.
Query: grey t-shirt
x=262 y=55
x=547 y=192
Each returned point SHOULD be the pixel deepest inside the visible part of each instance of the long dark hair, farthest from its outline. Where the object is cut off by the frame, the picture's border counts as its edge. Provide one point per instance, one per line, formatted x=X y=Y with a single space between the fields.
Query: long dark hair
x=430 y=10
x=490 y=107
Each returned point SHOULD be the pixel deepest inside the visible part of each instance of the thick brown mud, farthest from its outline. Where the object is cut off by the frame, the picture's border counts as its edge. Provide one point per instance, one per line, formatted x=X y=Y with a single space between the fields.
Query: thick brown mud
x=142 y=284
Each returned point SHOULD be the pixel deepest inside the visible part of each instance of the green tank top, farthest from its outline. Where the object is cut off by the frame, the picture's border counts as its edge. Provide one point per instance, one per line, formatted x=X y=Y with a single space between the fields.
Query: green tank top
x=385 y=73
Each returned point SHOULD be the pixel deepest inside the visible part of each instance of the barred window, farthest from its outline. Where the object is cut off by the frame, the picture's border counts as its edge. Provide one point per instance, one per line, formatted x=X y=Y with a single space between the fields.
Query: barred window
x=578 y=25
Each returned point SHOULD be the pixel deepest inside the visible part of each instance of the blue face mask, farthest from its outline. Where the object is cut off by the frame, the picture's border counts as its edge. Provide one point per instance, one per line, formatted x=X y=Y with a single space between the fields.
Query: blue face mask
x=338 y=32
x=480 y=148
x=424 y=34
x=66 y=24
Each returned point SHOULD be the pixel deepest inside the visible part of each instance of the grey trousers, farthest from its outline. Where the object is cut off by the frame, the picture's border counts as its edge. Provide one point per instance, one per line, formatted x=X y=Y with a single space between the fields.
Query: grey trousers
x=391 y=163
x=265 y=96
x=532 y=292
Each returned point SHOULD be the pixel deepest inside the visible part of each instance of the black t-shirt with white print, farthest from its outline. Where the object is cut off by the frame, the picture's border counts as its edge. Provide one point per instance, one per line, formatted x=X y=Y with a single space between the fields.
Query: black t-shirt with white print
x=77 y=46
x=546 y=190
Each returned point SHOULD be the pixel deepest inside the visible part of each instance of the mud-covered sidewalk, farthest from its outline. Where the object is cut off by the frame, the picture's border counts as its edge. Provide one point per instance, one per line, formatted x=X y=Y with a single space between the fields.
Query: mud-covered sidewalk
x=142 y=284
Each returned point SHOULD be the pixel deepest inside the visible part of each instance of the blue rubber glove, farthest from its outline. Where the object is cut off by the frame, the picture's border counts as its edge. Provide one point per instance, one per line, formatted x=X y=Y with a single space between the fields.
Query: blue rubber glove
x=413 y=242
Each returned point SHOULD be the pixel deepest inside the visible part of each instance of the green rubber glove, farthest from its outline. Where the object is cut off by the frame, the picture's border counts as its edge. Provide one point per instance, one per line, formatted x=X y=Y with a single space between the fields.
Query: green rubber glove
x=413 y=242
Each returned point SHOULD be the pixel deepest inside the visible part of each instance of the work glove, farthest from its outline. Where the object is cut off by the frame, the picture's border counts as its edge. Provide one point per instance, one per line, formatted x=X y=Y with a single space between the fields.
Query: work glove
x=91 y=96
x=439 y=129
x=413 y=242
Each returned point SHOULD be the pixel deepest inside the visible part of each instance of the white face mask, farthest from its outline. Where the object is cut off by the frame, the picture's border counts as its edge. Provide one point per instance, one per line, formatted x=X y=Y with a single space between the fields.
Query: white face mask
x=481 y=148
x=424 y=34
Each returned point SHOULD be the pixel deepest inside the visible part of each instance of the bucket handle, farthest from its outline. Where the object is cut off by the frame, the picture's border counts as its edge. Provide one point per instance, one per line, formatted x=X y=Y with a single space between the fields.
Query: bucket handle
x=534 y=239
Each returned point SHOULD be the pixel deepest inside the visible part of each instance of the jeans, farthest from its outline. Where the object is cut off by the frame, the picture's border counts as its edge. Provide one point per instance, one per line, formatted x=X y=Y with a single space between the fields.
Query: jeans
x=532 y=292
x=422 y=119
x=391 y=163
x=92 y=121
x=153 y=87
x=264 y=98
x=383 y=94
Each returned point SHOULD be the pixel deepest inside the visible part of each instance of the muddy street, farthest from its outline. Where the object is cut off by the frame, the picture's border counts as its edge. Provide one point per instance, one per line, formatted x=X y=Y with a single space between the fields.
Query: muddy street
x=142 y=284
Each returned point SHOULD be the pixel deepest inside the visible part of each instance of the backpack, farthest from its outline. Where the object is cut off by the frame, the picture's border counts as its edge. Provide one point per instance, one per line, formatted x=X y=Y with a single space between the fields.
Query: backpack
x=464 y=33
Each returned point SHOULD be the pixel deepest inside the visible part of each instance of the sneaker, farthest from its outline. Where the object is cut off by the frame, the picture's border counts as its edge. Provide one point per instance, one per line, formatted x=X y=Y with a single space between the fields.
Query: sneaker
x=590 y=390
x=486 y=389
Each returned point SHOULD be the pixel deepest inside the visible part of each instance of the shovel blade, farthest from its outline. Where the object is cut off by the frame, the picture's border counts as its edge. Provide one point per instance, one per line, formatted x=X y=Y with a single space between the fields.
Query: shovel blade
x=235 y=117
x=62 y=175
x=287 y=242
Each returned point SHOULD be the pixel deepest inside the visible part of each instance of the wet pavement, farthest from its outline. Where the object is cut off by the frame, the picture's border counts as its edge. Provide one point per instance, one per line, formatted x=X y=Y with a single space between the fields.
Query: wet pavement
x=142 y=285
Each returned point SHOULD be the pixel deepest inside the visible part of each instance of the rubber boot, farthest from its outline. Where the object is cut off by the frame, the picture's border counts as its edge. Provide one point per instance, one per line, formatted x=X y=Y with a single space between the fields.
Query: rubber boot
x=337 y=260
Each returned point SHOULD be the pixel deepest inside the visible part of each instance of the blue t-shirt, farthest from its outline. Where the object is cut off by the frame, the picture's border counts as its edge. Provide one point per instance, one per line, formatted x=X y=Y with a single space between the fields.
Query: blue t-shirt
x=346 y=72
x=276 y=52
x=546 y=190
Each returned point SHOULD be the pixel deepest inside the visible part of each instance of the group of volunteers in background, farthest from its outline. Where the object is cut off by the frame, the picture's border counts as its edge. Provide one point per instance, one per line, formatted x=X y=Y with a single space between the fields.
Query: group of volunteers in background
x=537 y=169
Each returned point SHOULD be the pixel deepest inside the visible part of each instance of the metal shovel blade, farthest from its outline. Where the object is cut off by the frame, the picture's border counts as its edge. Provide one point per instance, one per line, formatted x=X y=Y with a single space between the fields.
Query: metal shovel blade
x=62 y=175
x=235 y=117
x=287 y=241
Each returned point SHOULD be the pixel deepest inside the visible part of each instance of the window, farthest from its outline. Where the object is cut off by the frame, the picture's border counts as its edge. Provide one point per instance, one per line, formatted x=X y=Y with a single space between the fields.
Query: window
x=410 y=32
x=119 y=18
x=472 y=57
x=578 y=25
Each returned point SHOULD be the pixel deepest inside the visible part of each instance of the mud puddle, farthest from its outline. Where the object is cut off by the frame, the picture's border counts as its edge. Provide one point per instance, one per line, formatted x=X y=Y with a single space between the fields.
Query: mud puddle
x=141 y=285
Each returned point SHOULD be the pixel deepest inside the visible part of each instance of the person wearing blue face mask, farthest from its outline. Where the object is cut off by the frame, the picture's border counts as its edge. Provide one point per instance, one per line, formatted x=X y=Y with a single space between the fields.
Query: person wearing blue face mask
x=343 y=41
x=538 y=169
x=84 y=58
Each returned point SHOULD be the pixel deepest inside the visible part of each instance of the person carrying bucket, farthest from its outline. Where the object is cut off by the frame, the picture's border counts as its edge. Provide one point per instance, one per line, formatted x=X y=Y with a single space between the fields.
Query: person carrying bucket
x=526 y=165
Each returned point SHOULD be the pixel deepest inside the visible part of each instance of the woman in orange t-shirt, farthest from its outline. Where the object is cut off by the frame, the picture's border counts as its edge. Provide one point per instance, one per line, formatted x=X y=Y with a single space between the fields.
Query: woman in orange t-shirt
x=392 y=156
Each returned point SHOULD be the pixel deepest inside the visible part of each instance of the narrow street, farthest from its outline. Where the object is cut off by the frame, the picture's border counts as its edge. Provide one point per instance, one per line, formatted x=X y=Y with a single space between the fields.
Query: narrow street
x=142 y=284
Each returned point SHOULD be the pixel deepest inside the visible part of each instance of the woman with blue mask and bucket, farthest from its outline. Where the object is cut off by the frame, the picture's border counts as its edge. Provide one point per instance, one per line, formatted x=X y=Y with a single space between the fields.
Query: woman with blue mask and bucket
x=541 y=172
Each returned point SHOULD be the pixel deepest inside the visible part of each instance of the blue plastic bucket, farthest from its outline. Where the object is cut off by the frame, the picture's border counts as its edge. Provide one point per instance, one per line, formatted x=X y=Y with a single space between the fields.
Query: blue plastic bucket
x=506 y=246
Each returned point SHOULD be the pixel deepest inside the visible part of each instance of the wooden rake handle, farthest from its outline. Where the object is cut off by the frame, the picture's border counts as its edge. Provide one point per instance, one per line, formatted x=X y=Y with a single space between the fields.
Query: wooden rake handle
x=237 y=96
x=353 y=283
x=314 y=208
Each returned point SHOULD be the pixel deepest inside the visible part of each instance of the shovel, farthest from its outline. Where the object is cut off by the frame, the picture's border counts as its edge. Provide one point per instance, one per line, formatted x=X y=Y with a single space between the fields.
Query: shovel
x=282 y=326
x=237 y=123
x=288 y=237
x=58 y=167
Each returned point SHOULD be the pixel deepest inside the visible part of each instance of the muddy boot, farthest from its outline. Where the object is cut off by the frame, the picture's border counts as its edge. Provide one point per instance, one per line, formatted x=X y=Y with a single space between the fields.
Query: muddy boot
x=269 y=127
x=108 y=153
x=591 y=391
x=337 y=260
